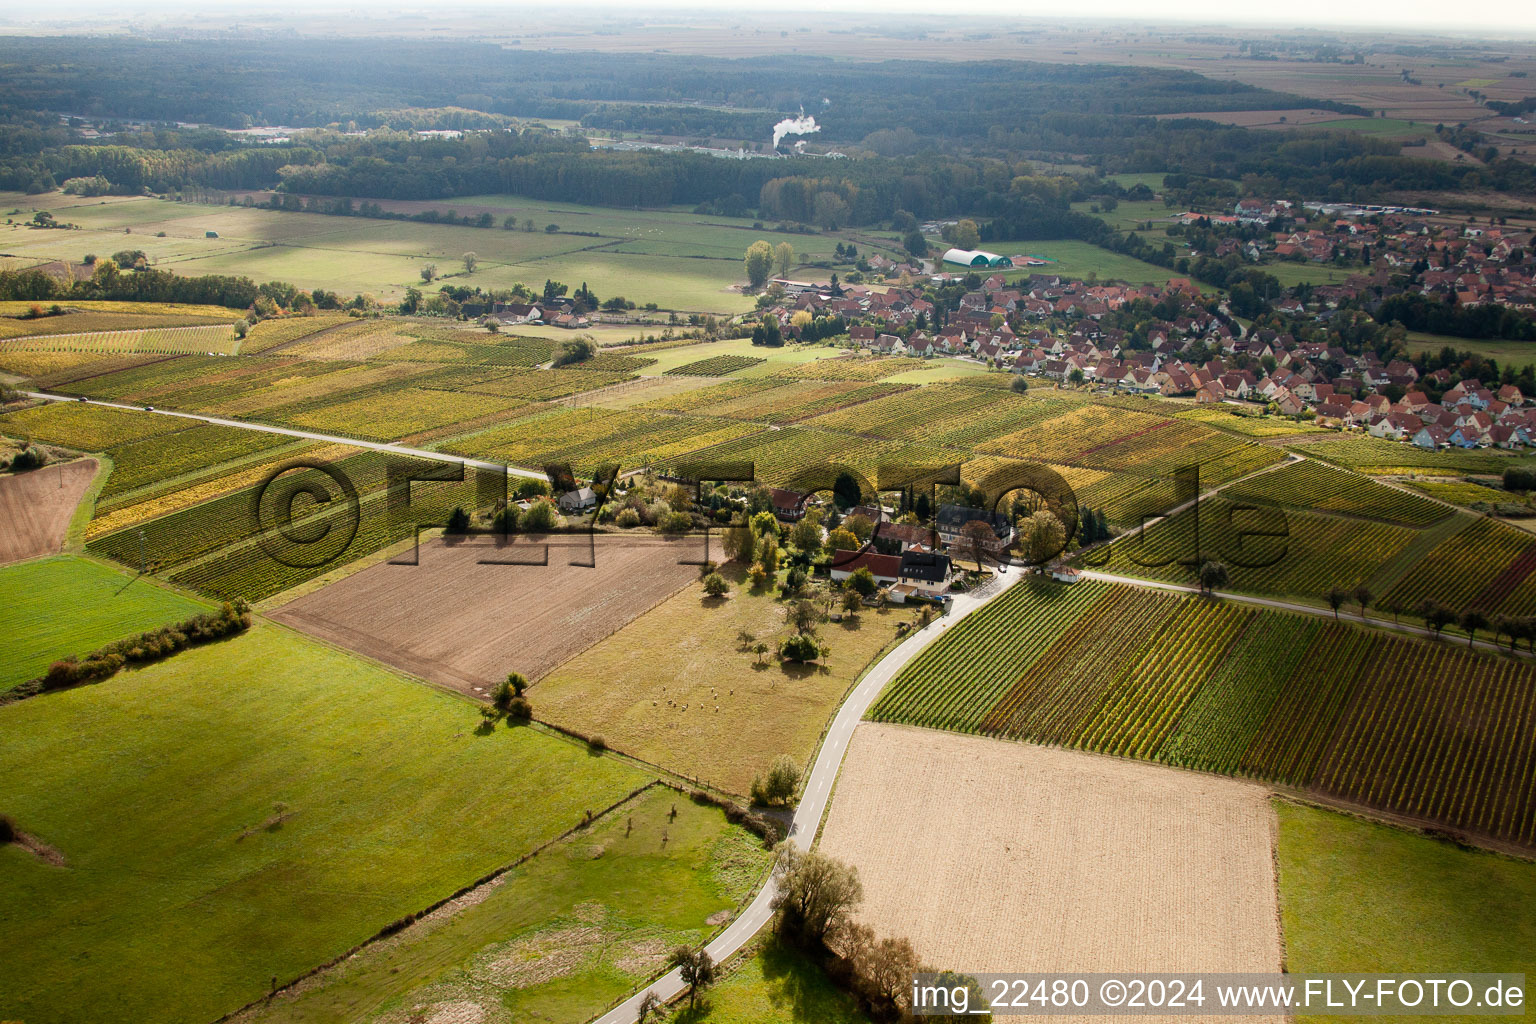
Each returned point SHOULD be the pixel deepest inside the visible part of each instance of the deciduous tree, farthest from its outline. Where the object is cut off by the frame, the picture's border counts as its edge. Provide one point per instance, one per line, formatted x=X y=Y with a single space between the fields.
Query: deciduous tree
x=759 y=263
x=816 y=893
x=696 y=968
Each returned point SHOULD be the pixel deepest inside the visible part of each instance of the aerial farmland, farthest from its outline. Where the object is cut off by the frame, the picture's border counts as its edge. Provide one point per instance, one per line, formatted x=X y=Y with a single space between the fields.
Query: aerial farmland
x=678 y=517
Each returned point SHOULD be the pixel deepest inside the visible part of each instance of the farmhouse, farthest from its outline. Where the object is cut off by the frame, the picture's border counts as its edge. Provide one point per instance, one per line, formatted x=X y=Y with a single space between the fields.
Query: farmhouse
x=923 y=574
x=952 y=519
x=976 y=258
x=787 y=505
x=583 y=499
x=885 y=568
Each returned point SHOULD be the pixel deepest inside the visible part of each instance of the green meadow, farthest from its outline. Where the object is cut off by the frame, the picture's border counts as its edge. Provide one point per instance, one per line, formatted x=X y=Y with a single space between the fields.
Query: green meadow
x=65 y=606
x=245 y=811
x=1356 y=896
x=776 y=985
x=1515 y=353
x=1075 y=259
x=675 y=258
x=562 y=937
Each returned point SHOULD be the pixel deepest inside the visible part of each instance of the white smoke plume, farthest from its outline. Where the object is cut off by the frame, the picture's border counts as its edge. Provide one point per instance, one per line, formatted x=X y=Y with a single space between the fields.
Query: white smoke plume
x=801 y=125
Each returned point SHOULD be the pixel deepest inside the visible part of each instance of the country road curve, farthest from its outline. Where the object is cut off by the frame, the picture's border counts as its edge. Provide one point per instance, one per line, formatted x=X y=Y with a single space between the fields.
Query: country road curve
x=818 y=787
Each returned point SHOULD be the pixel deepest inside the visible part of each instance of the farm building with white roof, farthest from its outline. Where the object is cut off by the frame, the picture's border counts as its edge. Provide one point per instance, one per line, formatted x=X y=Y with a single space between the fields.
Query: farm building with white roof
x=976 y=258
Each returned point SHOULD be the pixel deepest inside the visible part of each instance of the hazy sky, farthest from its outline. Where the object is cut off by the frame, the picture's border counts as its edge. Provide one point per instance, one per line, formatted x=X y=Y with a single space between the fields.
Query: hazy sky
x=1488 y=19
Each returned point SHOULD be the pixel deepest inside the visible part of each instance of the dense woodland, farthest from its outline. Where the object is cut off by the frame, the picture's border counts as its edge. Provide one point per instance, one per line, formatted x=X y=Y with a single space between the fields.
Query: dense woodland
x=928 y=137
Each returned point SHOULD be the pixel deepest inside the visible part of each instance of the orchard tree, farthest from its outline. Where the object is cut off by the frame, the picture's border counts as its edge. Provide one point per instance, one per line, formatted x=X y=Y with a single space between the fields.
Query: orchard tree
x=470 y=260
x=1472 y=620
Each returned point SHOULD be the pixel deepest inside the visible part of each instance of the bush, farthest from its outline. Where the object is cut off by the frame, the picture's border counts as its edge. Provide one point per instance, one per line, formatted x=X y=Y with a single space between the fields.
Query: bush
x=715 y=585
x=506 y=520
x=8 y=829
x=152 y=646
x=674 y=523
x=576 y=351
x=31 y=458
x=800 y=649
x=541 y=517
x=1520 y=478
x=597 y=743
x=627 y=518
x=519 y=710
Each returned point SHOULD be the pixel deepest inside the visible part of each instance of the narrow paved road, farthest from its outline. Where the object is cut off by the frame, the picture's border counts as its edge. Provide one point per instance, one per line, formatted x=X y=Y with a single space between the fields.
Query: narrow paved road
x=818 y=786
x=308 y=435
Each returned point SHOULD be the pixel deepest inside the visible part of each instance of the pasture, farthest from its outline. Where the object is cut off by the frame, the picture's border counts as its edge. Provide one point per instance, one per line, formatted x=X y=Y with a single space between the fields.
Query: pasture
x=1508 y=353
x=63 y=607
x=677 y=259
x=273 y=802
x=1360 y=896
x=557 y=939
x=526 y=617
x=679 y=688
x=1408 y=726
x=1079 y=260
x=776 y=984
x=975 y=851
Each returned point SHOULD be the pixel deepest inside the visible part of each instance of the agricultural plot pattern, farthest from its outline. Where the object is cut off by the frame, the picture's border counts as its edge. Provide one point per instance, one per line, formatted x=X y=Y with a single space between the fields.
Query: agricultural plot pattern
x=715 y=366
x=164 y=457
x=1267 y=549
x=1379 y=456
x=1486 y=566
x=212 y=338
x=1314 y=486
x=1429 y=730
x=224 y=548
x=85 y=428
x=971 y=848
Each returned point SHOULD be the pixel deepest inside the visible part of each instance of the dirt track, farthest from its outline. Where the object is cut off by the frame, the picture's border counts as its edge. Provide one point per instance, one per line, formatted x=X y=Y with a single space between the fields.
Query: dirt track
x=466 y=625
x=36 y=506
x=995 y=856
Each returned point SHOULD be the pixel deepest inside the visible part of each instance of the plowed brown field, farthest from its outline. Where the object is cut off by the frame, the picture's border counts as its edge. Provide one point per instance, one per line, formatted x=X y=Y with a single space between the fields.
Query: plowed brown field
x=465 y=625
x=35 y=508
x=993 y=856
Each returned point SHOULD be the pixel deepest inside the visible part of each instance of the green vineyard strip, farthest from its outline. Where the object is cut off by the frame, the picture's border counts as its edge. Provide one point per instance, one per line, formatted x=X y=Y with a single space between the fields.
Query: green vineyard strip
x=1409 y=726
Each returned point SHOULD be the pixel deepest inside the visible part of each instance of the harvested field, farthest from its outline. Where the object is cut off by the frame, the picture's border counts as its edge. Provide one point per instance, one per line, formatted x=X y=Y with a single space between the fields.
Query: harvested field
x=1005 y=857
x=37 y=507
x=679 y=688
x=465 y=625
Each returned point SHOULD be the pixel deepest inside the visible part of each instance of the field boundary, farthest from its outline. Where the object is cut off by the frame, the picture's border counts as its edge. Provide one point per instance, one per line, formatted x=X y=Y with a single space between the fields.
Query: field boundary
x=399 y=925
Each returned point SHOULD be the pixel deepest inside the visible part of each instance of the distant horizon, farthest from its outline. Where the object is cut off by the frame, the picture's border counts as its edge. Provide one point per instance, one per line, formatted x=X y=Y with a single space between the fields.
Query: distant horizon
x=1495 y=20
